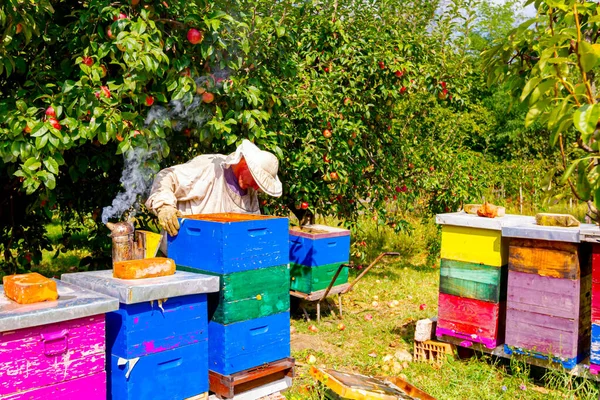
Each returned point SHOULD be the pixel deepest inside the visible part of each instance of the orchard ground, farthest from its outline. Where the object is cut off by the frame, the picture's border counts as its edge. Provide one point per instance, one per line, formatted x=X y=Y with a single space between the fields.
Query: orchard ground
x=371 y=346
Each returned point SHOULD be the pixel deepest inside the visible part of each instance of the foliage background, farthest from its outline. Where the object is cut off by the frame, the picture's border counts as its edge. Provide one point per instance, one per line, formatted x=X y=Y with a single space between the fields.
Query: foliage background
x=399 y=85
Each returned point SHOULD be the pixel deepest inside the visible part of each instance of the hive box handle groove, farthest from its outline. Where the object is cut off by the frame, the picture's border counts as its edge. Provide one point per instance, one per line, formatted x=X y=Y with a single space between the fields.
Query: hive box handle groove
x=193 y=231
x=170 y=364
x=254 y=232
x=259 y=330
x=55 y=343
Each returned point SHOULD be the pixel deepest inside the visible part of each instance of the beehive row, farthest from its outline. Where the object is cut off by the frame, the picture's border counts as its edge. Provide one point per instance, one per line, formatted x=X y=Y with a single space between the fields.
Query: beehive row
x=508 y=281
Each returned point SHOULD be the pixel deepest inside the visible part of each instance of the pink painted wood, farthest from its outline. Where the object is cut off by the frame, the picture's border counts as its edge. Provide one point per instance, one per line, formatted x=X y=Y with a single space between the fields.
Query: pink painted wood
x=596 y=263
x=596 y=302
x=541 y=333
x=545 y=295
x=474 y=318
x=49 y=354
x=91 y=387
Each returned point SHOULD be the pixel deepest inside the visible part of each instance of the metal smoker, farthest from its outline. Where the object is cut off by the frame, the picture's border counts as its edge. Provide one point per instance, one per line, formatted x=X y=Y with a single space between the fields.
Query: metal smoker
x=127 y=244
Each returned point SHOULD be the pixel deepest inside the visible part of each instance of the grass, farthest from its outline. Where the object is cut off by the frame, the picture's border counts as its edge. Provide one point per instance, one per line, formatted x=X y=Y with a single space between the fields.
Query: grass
x=372 y=347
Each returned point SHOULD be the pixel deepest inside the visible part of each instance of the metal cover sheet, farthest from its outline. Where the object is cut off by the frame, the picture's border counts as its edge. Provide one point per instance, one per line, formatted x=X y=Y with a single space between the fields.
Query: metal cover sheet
x=461 y=218
x=589 y=233
x=131 y=291
x=73 y=302
x=550 y=233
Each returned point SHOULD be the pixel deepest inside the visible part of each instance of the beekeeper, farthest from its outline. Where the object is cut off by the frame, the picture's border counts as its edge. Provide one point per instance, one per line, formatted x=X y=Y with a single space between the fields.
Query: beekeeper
x=214 y=183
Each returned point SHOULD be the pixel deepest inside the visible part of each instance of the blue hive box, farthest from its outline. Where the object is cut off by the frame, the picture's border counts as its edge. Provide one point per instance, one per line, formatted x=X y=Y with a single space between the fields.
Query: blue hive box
x=157 y=342
x=317 y=245
x=595 y=351
x=176 y=374
x=144 y=328
x=247 y=344
x=228 y=242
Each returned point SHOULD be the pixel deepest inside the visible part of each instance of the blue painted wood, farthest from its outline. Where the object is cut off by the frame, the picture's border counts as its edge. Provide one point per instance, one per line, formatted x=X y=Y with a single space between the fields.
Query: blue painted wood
x=317 y=252
x=226 y=247
x=169 y=375
x=247 y=344
x=568 y=363
x=150 y=327
x=595 y=347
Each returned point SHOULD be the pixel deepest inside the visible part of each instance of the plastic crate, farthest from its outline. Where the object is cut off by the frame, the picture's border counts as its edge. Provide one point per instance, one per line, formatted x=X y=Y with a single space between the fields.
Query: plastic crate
x=432 y=351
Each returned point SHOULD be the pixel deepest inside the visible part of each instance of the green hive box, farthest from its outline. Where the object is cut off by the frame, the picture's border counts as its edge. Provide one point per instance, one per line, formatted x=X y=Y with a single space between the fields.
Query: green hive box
x=312 y=279
x=248 y=294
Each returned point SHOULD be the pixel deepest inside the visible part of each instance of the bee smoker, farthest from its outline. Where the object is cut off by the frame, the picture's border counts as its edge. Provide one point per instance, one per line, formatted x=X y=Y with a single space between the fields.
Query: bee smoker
x=127 y=244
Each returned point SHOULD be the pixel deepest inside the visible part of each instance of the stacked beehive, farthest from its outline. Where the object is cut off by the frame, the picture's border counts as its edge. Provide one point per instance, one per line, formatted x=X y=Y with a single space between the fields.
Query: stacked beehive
x=548 y=301
x=592 y=235
x=56 y=349
x=474 y=257
x=250 y=319
x=157 y=340
x=316 y=252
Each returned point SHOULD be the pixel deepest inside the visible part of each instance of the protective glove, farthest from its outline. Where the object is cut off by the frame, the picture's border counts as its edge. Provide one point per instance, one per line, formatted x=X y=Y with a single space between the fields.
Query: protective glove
x=167 y=218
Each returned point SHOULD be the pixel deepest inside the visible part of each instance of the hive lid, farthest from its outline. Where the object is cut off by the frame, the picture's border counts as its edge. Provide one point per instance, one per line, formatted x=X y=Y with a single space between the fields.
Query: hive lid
x=461 y=218
x=131 y=291
x=315 y=231
x=73 y=302
x=590 y=233
x=550 y=233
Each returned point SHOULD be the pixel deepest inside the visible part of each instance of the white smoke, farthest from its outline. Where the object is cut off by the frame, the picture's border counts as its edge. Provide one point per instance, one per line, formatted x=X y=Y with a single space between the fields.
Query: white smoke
x=136 y=180
x=189 y=112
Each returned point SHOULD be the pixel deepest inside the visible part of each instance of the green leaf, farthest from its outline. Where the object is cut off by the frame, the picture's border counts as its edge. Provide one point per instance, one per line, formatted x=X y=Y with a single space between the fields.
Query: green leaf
x=280 y=30
x=585 y=119
x=588 y=55
x=582 y=186
x=51 y=165
x=529 y=86
x=32 y=164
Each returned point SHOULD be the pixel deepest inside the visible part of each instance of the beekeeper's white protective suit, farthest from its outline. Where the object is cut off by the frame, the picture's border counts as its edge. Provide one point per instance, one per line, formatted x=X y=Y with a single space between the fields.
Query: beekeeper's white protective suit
x=210 y=184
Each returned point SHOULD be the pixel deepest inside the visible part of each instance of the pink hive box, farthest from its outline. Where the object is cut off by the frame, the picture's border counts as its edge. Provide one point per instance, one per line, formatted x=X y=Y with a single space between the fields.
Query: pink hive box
x=54 y=349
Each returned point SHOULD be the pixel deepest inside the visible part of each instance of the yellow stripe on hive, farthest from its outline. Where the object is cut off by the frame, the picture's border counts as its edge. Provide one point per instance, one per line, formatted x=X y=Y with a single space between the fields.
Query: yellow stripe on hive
x=475 y=245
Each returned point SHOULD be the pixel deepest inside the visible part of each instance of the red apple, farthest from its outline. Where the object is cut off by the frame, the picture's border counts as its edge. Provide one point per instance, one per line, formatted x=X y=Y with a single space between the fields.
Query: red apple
x=54 y=122
x=431 y=168
x=194 y=36
x=109 y=33
x=398 y=190
x=18 y=29
x=135 y=2
x=149 y=100
x=119 y=137
x=104 y=70
x=304 y=205
x=89 y=61
x=422 y=306
x=334 y=176
x=135 y=133
x=403 y=188
x=326 y=69
x=410 y=165
x=341 y=326
x=105 y=91
x=399 y=73
x=50 y=112
x=313 y=328
x=368 y=317
x=346 y=101
x=381 y=65
x=27 y=129
x=120 y=16
x=325 y=158
x=402 y=89
x=208 y=97
x=327 y=133
x=443 y=84
x=187 y=132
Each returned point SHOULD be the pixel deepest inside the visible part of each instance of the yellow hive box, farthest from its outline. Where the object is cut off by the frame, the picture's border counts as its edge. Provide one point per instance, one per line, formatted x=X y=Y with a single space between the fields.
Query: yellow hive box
x=474 y=245
x=144 y=268
x=29 y=288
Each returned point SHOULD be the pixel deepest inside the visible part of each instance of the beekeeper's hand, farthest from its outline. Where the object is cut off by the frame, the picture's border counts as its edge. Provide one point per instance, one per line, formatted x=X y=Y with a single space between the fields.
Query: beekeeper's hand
x=167 y=218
